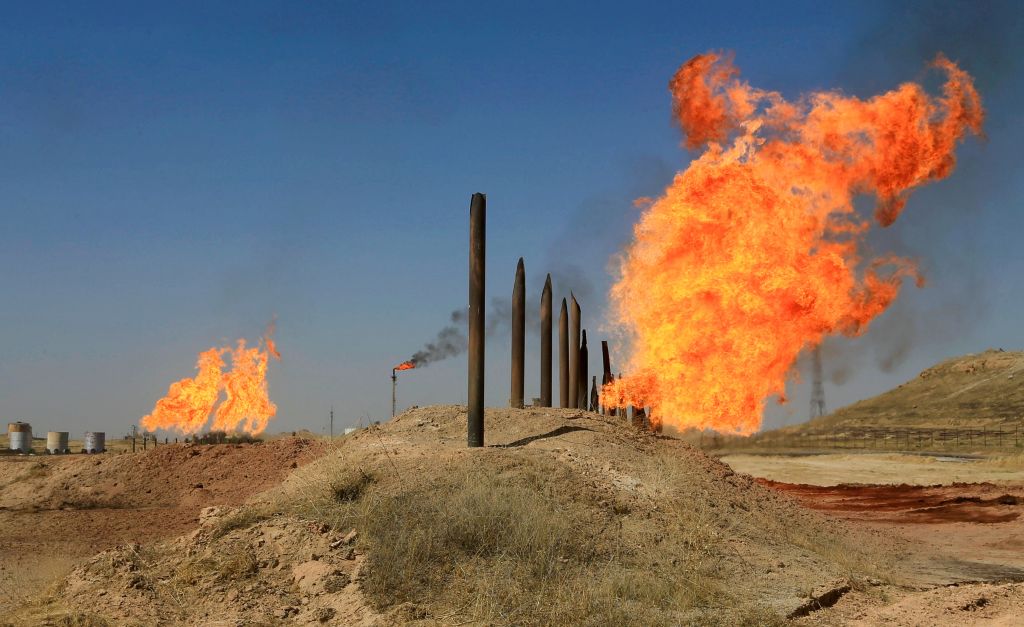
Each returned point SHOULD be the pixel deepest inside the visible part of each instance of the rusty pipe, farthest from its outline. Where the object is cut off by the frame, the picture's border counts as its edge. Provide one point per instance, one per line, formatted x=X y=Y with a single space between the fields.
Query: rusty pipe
x=518 y=337
x=563 y=357
x=581 y=376
x=574 y=352
x=545 y=344
x=475 y=314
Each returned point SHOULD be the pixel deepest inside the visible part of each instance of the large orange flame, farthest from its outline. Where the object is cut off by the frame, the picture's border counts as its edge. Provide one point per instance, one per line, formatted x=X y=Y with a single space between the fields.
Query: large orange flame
x=751 y=255
x=405 y=365
x=246 y=405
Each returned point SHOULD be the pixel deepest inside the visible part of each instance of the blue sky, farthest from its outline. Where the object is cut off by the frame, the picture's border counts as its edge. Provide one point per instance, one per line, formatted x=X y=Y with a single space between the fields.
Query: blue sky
x=174 y=174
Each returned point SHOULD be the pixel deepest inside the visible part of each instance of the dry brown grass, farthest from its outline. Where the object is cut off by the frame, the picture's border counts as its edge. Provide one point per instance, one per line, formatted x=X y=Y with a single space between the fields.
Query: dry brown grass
x=515 y=541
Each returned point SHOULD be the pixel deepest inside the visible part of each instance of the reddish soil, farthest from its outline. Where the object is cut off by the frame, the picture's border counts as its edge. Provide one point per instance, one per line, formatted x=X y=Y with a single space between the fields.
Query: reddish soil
x=63 y=508
x=967 y=531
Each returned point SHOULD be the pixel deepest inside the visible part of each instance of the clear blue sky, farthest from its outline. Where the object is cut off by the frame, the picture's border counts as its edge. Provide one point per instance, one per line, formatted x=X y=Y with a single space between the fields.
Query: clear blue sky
x=173 y=174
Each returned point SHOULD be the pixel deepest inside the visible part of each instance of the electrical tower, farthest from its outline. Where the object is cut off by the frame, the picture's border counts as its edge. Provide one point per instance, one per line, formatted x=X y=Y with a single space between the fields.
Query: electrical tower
x=817 y=385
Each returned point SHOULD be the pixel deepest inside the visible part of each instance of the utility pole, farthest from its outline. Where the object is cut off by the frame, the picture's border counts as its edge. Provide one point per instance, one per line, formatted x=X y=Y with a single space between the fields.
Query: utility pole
x=817 y=385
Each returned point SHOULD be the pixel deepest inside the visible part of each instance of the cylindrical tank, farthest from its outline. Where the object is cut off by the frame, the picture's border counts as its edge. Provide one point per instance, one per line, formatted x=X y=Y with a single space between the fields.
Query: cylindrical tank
x=95 y=442
x=19 y=437
x=57 y=442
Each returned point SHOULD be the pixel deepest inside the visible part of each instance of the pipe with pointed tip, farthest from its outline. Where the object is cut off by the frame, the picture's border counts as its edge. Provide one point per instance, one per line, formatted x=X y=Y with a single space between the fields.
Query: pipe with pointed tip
x=516 y=399
x=563 y=357
x=475 y=313
x=606 y=377
x=574 y=352
x=581 y=375
x=545 y=344
x=594 y=400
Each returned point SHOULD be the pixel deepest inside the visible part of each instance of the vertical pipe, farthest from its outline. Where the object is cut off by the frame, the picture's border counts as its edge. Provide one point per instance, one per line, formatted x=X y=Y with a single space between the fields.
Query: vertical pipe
x=581 y=375
x=563 y=357
x=574 y=352
x=518 y=337
x=594 y=399
x=394 y=395
x=477 y=262
x=545 y=344
x=606 y=376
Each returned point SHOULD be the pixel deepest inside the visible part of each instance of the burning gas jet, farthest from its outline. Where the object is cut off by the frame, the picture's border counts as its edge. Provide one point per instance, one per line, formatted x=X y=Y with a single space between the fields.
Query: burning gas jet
x=752 y=253
x=246 y=404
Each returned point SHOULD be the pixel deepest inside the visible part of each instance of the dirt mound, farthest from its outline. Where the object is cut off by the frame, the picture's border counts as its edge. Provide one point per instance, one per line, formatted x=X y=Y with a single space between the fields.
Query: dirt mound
x=275 y=570
x=56 y=510
x=566 y=517
x=973 y=391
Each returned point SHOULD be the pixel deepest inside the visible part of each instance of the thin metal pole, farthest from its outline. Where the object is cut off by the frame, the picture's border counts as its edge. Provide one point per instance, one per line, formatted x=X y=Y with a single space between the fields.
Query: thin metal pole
x=392 y=409
x=545 y=344
x=394 y=391
x=518 y=337
x=563 y=357
x=477 y=268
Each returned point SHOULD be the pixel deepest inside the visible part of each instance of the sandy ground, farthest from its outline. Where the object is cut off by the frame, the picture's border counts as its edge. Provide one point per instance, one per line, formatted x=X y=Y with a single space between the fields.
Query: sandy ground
x=873 y=468
x=962 y=519
x=964 y=514
x=57 y=510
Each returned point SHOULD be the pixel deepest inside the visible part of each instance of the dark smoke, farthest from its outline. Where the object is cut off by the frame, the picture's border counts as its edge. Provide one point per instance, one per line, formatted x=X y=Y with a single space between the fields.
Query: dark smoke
x=450 y=341
x=940 y=227
x=608 y=218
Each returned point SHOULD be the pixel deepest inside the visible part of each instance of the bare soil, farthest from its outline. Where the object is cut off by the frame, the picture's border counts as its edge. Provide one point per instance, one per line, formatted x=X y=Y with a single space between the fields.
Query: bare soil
x=963 y=515
x=566 y=517
x=57 y=510
x=875 y=468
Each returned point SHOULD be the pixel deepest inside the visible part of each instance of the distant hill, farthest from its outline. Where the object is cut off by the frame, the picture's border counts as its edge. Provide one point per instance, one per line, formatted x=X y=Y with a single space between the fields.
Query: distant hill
x=980 y=390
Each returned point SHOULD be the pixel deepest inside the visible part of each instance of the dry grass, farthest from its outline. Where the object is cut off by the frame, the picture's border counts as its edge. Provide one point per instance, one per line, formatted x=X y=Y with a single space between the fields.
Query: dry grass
x=518 y=542
x=1013 y=461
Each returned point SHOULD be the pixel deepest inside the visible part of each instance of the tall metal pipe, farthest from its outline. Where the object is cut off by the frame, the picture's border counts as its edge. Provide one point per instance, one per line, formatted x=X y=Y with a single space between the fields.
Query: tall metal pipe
x=477 y=268
x=518 y=337
x=581 y=375
x=606 y=376
x=545 y=344
x=394 y=394
x=594 y=398
x=574 y=351
x=563 y=357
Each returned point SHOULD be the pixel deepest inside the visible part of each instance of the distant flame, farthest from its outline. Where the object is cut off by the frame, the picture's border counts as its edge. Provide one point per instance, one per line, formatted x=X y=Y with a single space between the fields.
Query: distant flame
x=751 y=255
x=405 y=365
x=246 y=405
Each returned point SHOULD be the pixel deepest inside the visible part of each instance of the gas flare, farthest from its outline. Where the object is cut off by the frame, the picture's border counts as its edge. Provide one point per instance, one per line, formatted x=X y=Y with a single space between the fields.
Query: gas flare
x=405 y=365
x=751 y=254
x=246 y=405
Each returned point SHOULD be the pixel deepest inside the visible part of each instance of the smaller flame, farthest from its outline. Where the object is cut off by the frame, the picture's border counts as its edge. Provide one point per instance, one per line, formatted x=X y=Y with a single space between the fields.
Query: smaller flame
x=405 y=365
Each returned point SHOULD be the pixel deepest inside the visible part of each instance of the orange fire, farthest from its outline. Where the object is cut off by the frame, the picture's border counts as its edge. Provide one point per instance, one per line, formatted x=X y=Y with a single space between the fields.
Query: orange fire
x=246 y=405
x=751 y=254
x=405 y=365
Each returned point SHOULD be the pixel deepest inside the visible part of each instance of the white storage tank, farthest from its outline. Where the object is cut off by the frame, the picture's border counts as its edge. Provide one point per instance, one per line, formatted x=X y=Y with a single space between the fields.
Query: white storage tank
x=19 y=437
x=57 y=442
x=95 y=442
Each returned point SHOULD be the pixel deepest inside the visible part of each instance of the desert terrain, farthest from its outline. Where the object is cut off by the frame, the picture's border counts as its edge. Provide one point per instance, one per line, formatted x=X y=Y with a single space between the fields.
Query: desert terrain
x=566 y=517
